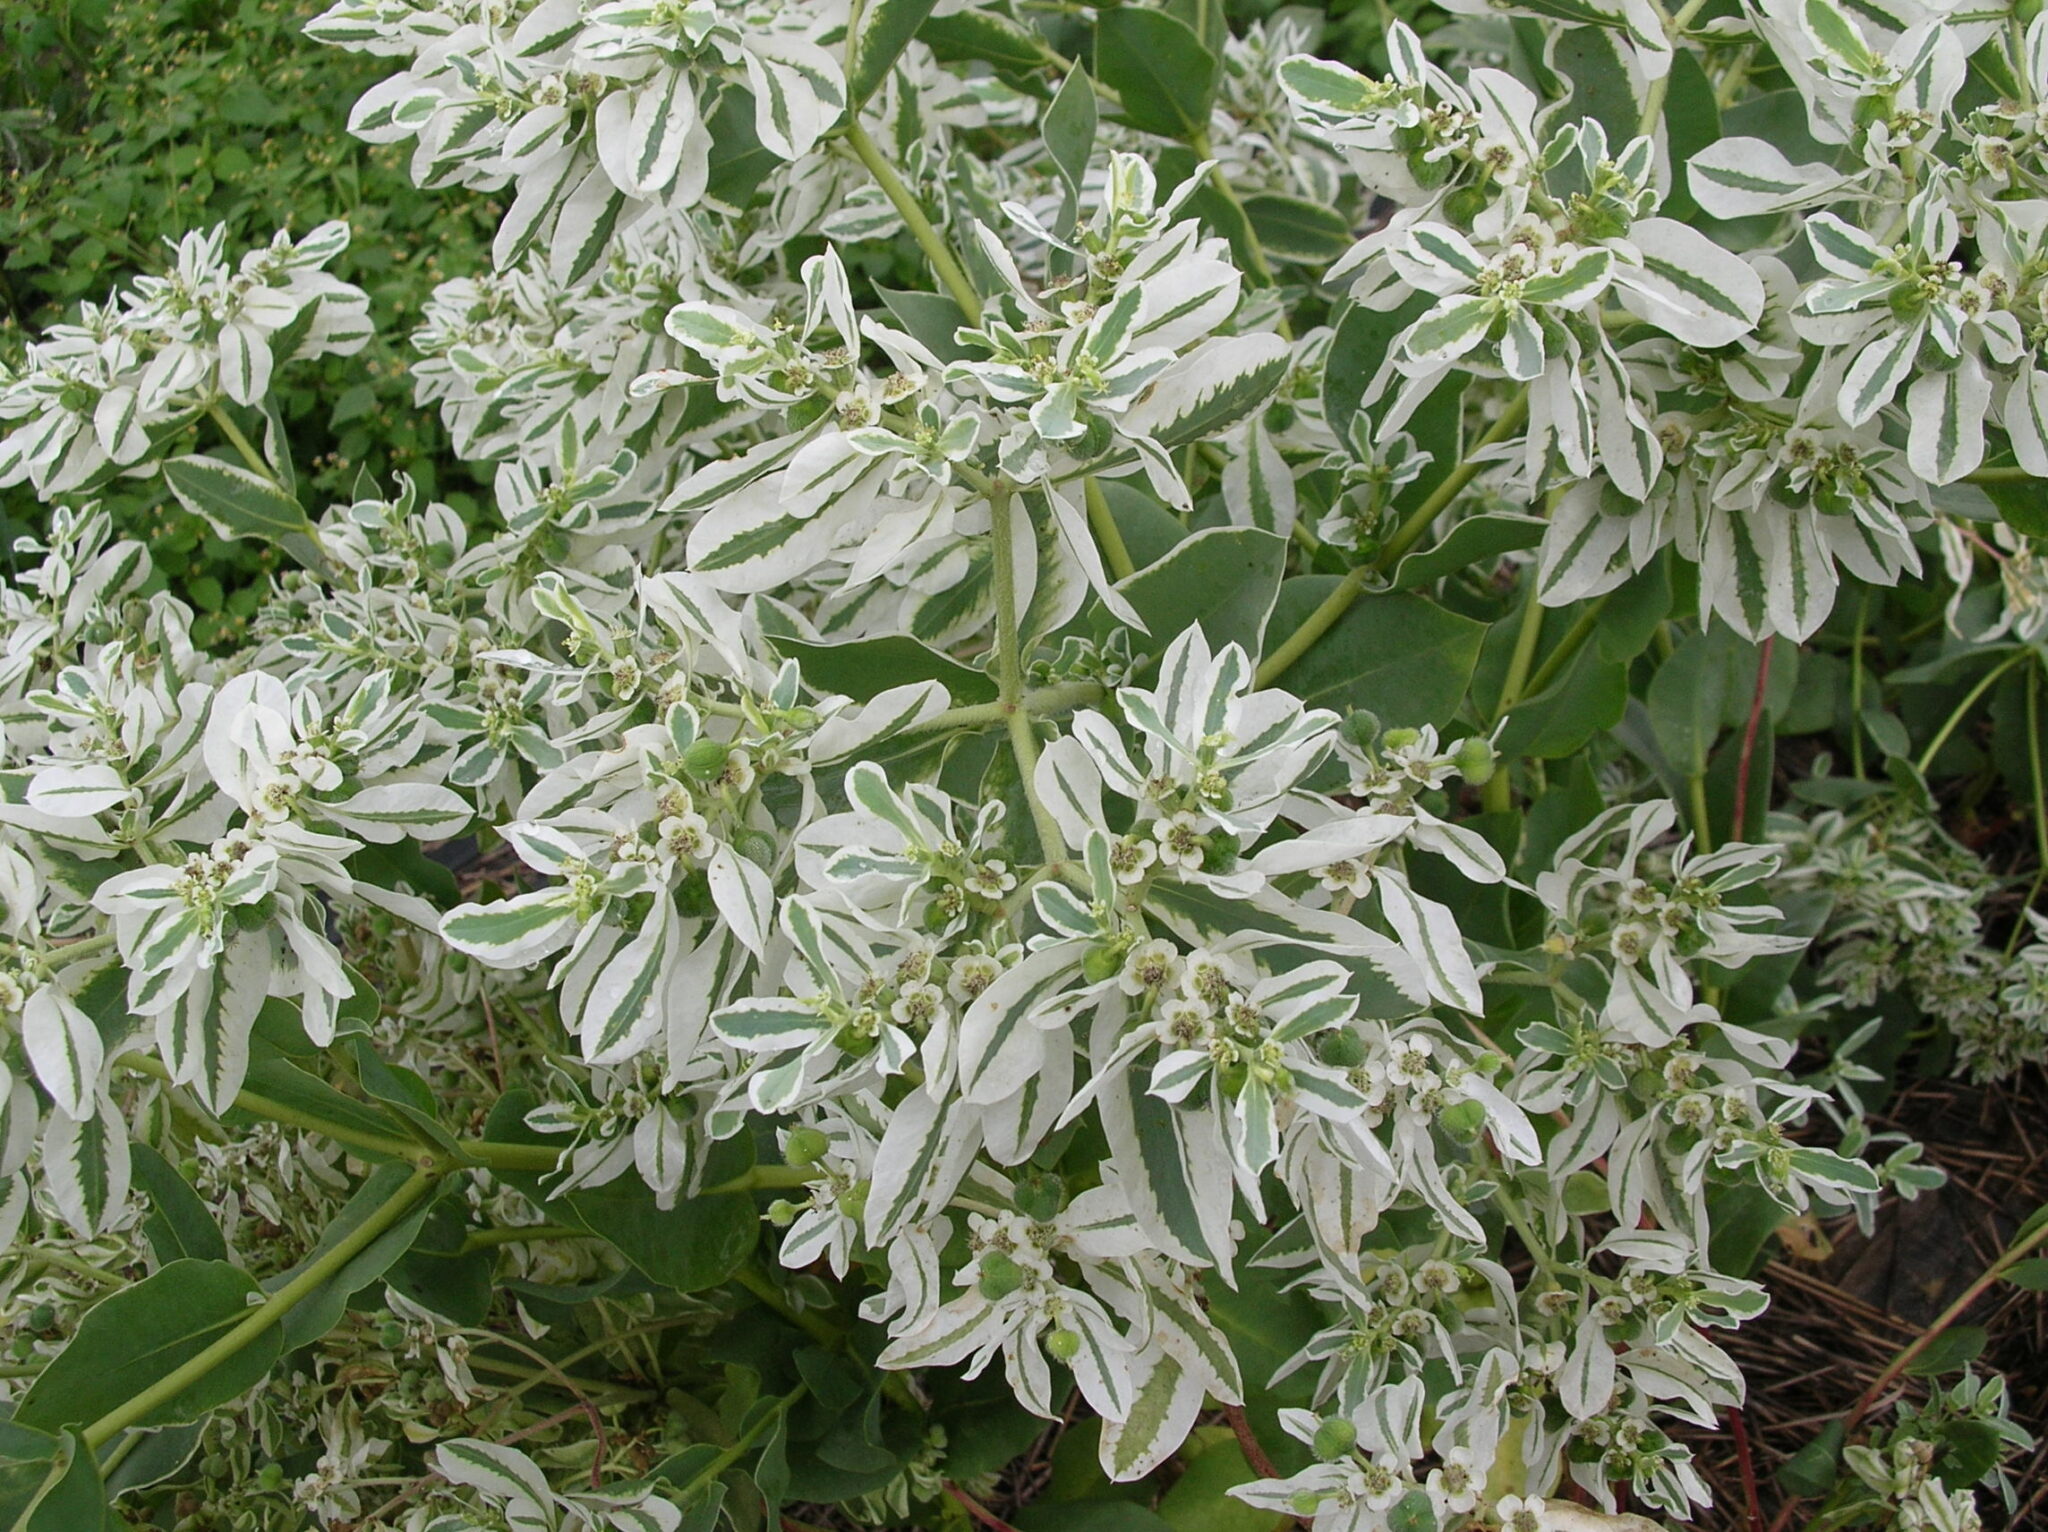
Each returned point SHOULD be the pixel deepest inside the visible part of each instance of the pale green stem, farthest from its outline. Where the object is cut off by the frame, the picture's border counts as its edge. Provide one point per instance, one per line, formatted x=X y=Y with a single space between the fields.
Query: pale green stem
x=929 y=240
x=1498 y=794
x=536 y=1157
x=1010 y=672
x=1038 y=703
x=1962 y=708
x=265 y=1314
x=1107 y=533
x=1338 y=602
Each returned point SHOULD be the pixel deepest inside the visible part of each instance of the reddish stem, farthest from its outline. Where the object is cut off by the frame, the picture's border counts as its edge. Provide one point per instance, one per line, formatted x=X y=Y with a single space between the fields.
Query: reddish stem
x=1740 y=1428
x=977 y=1510
x=1756 y=713
x=1254 y=1454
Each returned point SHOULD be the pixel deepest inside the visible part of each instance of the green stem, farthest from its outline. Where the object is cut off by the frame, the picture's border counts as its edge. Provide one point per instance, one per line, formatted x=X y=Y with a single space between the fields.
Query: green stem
x=1043 y=701
x=763 y=1178
x=1696 y=798
x=2010 y=474
x=1107 y=533
x=1498 y=794
x=718 y=1465
x=1567 y=649
x=1313 y=626
x=533 y=1233
x=258 y=464
x=266 y=1313
x=1962 y=708
x=1010 y=673
x=1410 y=531
x=816 y=1326
x=1856 y=688
x=2034 y=761
x=536 y=1157
x=1338 y=602
x=929 y=240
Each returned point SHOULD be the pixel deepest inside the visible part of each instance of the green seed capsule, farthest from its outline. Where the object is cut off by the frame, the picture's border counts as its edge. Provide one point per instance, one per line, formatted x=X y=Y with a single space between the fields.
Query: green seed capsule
x=1040 y=1196
x=805 y=1147
x=1101 y=963
x=1474 y=760
x=1341 y=1049
x=1401 y=739
x=1335 y=1437
x=703 y=761
x=1063 y=1345
x=1362 y=728
x=1000 y=1276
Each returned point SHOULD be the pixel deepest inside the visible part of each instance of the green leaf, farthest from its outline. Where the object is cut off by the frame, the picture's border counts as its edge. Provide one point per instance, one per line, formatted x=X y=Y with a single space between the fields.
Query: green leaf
x=142 y=1334
x=1812 y=1470
x=1225 y=579
x=178 y=1226
x=1597 y=61
x=1295 y=229
x=1200 y=1501
x=1159 y=68
x=409 y=1097
x=1471 y=540
x=1069 y=128
x=1950 y=1351
x=71 y=1498
x=1686 y=698
x=1399 y=656
x=1360 y=344
x=930 y=318
x=2024 y=505
x=984 y=36
x=1692 y=120
x=321 y=1309
x=25 y=1459
x=281 y=1081
x=888 y=26
x=698 y=1243
x=236 y=502
x=862 y=669
x=1587 y=700
x=2029 y=1276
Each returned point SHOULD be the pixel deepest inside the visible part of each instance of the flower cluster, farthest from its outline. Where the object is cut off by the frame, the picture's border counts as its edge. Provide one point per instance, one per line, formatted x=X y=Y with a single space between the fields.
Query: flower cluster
x=985 y=791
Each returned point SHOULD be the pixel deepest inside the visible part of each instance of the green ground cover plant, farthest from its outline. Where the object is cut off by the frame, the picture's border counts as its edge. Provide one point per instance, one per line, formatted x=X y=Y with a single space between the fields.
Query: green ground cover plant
x=1234 y=736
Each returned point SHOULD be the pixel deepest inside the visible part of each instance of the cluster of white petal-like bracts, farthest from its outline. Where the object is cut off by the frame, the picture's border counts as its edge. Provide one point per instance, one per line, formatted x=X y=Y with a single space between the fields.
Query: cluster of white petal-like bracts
x=92 y=398
x=1770 y=428
x=1108 y=365
x=598 y=114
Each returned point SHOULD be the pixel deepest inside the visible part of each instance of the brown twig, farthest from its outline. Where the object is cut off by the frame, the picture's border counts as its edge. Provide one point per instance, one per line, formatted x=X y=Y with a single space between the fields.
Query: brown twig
x=1740 y=1430
x=977 y=1510
x=1254 y=1454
